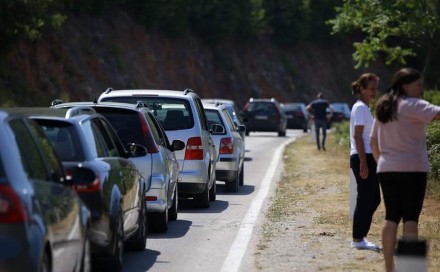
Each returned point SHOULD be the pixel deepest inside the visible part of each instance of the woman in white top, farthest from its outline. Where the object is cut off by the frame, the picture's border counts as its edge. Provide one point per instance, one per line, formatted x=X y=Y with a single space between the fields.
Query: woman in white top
x=398 y=142
x=362 y=162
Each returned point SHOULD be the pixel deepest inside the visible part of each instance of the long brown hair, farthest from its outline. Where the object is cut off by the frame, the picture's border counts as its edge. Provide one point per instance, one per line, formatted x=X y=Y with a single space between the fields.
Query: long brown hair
x=386 y=108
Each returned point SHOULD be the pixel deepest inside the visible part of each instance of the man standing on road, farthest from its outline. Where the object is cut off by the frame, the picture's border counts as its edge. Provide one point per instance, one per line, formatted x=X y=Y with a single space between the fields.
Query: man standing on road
x=318 y=109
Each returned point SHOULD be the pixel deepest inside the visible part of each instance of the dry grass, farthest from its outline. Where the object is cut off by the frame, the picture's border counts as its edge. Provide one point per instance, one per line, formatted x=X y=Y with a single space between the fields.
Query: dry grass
x=308 y=227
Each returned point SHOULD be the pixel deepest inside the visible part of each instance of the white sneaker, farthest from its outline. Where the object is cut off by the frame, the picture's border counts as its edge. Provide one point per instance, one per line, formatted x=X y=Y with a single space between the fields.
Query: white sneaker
x=364 y=244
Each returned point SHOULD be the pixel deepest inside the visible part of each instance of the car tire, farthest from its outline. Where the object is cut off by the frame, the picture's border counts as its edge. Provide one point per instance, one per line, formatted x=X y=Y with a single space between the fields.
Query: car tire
x=213 y=191
x=159 y=221
x=242 y=175
x=45 y=263
x=202 y=200
x=232 y=186
x=174 y=210
x=114 y=263
x=86 y=260
x=139 y=241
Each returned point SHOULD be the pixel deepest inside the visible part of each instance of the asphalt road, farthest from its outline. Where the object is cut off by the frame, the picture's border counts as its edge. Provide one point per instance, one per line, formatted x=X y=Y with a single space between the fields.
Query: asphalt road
x=215 y=239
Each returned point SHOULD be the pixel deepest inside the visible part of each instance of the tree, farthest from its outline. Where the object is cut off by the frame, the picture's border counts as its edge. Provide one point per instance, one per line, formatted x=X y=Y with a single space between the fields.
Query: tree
x=397 y=29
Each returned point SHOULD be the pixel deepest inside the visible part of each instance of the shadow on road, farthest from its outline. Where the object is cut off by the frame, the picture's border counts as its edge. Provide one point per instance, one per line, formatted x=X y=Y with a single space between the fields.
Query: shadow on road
x=176 y=229
x=242 y=190
x=140 y=261
x=188 y=206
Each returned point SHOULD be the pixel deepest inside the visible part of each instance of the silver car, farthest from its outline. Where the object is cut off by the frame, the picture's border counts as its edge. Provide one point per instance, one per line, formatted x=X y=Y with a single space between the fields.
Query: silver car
x=230 y=145
x=182 y=115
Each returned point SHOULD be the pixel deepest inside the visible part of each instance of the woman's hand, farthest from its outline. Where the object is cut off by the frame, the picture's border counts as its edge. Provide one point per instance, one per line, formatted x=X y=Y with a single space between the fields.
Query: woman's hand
x=364 y=170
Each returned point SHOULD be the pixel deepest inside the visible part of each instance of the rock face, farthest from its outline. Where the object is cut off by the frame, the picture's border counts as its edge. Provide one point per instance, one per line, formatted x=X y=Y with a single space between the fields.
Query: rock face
x=91 y=54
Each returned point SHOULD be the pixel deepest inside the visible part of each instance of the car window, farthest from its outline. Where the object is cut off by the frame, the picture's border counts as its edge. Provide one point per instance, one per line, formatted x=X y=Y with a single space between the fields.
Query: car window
x=64 y=138
x=48 y=153
x=102 y=129
x=228 y=119
x=155 y=129
x=2 y=171
x=177 y=110
x=94 y=141
x=214 y=117
x=201 y=113
x=126 y=124
x=30 y=157
x=263 y=107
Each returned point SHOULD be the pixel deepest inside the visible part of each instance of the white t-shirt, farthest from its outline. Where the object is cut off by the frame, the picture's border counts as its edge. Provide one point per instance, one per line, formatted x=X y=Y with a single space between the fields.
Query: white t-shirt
x=402 y=143
x=360 y=116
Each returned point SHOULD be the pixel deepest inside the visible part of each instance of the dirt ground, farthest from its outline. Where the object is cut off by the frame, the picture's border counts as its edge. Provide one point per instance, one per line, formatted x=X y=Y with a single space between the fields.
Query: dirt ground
x=307 y=226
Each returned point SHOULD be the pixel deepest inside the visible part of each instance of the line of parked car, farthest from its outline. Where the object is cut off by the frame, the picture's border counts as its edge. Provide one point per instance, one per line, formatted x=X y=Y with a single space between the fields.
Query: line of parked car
x=81 y=182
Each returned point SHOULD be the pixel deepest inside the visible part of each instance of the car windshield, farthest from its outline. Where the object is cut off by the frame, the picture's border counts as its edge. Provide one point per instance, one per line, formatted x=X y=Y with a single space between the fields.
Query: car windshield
x=64 y=139
x=172 y=113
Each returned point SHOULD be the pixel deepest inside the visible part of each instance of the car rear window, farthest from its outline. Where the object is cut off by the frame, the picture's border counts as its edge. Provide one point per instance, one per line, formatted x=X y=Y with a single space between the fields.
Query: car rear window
x=263 y=107
x=172 y=113
x=64 y=139
x=126 y=124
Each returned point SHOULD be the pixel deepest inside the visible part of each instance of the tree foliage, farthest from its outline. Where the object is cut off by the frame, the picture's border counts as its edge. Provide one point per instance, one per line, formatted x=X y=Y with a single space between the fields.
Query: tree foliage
x=395 y=29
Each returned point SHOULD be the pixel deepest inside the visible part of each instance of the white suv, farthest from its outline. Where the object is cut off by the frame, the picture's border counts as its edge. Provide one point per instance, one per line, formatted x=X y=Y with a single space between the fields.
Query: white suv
x=182 y=116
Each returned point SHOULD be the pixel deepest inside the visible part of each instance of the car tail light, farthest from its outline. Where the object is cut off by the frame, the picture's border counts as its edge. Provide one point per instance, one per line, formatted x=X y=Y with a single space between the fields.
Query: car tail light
x=299 y=114
x=151 y=198
x=226 y=146
x=194 y=149
x=151 y=145
x=12 y=209
x=95 y=186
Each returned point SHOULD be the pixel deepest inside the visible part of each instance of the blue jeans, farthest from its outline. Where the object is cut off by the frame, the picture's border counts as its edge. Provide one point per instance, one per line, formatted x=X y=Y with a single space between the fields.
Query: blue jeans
x=320 y=125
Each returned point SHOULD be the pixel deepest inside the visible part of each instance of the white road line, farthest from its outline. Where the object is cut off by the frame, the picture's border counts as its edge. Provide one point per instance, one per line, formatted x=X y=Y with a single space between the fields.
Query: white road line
x=238 y=248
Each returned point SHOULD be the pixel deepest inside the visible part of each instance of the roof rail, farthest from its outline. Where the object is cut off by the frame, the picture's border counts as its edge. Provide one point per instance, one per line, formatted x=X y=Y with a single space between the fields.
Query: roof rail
x=186 y=91
x=141 y=104
x=110 y=89
x=56 y=102
x=74 y=111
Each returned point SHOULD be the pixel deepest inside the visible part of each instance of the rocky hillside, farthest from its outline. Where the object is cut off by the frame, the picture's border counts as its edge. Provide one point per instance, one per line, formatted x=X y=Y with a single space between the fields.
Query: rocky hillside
x=92 y=54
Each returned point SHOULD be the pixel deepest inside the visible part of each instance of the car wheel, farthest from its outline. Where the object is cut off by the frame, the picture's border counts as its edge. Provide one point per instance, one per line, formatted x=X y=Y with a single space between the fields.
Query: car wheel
x=114 y=263
x=213 y=190
x=242 y=175
x=139 y=241
x=45 y=263
x=86 y=260
x=159 y=221
x=174 y=210
x=282 y=133
x=232 y=186
x=202 y=200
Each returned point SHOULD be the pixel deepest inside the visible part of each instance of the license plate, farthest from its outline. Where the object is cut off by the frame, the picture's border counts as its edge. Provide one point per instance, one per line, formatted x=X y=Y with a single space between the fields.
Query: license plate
x=261 y=117
x=289 y=116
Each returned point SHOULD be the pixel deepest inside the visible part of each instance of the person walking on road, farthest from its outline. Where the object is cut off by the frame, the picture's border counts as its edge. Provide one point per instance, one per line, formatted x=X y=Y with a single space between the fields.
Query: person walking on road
x=362 y=162
x=318 y=108
x=398 y=142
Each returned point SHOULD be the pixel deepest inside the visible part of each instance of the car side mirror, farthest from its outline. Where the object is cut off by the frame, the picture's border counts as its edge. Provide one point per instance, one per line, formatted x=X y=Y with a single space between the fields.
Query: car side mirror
x=241 y=128
x=136 y=150
x=217 y=129
x=177 y=145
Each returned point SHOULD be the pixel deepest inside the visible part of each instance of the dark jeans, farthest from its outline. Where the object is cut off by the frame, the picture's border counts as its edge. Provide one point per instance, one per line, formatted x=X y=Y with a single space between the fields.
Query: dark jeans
x=368 y=196
x=320 y=125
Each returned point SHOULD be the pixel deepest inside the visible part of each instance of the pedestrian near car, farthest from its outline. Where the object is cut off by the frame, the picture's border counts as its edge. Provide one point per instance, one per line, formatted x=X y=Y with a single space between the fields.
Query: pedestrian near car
x=318 y=109
x=398 y=142
x=362 y=162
